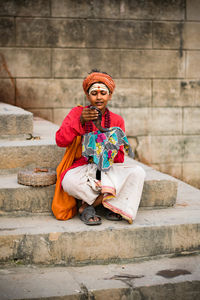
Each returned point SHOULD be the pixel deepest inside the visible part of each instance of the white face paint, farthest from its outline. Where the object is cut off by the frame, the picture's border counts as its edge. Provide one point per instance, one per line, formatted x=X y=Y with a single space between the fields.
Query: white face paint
x=98 y=87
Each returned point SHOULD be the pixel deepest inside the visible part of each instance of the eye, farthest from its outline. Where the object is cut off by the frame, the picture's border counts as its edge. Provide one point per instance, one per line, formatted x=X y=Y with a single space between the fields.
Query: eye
x=94 y=93
x=103 y=92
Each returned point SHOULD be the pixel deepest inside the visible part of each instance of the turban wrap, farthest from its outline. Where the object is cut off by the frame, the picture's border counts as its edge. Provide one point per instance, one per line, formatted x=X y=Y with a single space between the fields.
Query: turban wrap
x=98 y=77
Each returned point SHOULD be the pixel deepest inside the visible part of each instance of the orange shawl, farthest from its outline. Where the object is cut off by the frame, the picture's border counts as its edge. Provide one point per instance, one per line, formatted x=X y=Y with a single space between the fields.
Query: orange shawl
x=63 y=205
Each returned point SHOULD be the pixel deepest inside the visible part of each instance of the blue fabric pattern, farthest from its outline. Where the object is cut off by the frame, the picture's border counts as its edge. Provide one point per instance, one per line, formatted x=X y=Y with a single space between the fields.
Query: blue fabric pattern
x=102 y=147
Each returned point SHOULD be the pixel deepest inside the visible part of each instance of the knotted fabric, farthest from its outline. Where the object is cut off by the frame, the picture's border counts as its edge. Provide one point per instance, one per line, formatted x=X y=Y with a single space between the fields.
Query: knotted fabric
x=101 y=148
x=98 y=77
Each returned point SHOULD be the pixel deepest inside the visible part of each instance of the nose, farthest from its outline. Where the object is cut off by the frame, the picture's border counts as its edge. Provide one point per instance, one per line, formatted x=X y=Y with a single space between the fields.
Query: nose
x=98 y=95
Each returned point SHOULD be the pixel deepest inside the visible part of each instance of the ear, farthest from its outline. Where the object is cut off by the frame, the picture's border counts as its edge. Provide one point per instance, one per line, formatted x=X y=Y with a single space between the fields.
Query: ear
x=110 y=97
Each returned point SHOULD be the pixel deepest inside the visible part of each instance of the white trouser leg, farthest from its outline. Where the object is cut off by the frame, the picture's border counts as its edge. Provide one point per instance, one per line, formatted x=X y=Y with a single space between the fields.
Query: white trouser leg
x=80 y=183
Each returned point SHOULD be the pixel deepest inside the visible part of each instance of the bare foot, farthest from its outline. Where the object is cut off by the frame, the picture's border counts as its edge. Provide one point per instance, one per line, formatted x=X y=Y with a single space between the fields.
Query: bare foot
x=81 y=209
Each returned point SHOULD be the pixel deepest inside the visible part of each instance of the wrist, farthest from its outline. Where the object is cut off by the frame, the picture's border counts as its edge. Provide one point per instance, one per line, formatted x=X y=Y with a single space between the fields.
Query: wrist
x=82 y=120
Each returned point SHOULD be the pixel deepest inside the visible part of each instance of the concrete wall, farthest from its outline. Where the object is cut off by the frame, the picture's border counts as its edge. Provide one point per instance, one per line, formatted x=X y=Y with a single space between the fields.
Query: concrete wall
x=150 y=47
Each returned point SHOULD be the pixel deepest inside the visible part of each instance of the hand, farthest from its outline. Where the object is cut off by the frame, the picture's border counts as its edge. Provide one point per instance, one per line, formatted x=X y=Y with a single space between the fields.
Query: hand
x=88 y=115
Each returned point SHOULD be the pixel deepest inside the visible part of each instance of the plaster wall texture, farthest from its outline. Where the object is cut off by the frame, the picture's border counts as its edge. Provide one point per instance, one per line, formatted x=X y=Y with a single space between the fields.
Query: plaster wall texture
x=150 y=47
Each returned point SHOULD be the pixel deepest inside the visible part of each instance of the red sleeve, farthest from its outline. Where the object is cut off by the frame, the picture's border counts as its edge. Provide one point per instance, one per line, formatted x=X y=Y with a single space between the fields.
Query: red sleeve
x=70 y=128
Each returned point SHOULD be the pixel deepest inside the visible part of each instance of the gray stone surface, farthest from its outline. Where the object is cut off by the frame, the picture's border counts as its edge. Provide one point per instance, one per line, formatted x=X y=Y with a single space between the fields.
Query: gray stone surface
x=192 y=70
x=156 y=10
x=114 y=281
x=191 y=33
x=85 y=9
x=176 y=92
x=119 y=34
x=167 y=35
x=42 y=239
x=191 y=123
x=161 y=149
x=124 y=9
x=40 y=8
x=50 y=32
x=131 y=93
x=7 y=32
x=76 y=63
x=23 y=153
x=30 y=62
x=153 y=64
x=193 y=8
x=7 y=91
x=14 y=120
x=45 y=93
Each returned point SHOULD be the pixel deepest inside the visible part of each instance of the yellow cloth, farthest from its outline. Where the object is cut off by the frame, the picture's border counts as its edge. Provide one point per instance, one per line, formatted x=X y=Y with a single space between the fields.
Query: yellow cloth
x=63 y=205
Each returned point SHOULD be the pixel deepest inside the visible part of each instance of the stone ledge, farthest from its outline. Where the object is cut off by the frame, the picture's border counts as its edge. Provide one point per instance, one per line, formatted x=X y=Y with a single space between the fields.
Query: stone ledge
x=17 y=154
x=14 y=120
x=116 y=281
x=44 y=240
x=160 y=190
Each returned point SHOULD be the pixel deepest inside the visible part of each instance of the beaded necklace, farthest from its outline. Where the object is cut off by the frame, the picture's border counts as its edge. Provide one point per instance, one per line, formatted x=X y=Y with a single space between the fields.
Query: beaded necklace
x=89 y=124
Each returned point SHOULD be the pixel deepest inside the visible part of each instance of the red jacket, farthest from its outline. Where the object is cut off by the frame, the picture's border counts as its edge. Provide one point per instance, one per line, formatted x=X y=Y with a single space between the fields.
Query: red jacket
x=71 y=127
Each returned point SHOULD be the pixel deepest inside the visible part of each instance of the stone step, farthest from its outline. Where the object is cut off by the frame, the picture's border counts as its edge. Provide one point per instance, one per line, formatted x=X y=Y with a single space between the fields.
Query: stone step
x=44 y=240
x=143 y=280
x=160 y=190
x=14 y=121
x=37 y=150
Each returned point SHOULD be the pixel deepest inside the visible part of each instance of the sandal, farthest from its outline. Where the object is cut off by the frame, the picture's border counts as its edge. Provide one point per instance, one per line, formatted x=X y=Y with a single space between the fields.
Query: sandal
x=111 y=216
x=89 y=213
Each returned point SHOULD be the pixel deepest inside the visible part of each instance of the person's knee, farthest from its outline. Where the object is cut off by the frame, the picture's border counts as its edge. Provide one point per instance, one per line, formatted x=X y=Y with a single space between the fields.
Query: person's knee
x=68 y=184
x=140 y=172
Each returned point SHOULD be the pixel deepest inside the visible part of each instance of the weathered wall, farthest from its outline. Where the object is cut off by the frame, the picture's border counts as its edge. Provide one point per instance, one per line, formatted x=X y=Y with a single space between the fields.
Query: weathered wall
x=150 y=47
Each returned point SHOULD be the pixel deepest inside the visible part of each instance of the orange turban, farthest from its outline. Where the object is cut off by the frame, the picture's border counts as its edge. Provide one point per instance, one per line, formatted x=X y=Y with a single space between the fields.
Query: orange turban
x=98 y=77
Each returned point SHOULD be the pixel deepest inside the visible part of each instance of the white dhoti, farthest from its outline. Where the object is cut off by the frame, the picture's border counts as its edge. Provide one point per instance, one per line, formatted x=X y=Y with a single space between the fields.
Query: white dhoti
x=122 y=187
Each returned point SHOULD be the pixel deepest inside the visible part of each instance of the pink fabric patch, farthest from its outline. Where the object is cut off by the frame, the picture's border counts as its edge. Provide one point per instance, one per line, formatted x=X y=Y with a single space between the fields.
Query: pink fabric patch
x=101 y=137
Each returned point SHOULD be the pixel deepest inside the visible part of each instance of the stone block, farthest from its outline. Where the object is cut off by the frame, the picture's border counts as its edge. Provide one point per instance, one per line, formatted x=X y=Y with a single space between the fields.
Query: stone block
x=192 y=10
x=152 y=9
x=43 y=240
x=131 y=93
x=24 y=154
x=160 y=149
x=7 y=32
x=24 y=199
x=25 y=8
x=167 y=35
x=159 y=193
x=191 y=148
x=76 y=63
x=137 y=121
x=7 y=91
x=104 y=281
x=191 y=173
x=85 y=9
x=14 y=120
x=176 y=92
x=49 y=93
x=191 y=121
x=59 y=114
x=159 y=190
x=192 y=64
x=166 y=121
x=174 y=169
x=152 y=63
x=119 y=34
x=191 y=35
x=25 y=62
x=50 y=32
x=44 y=113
